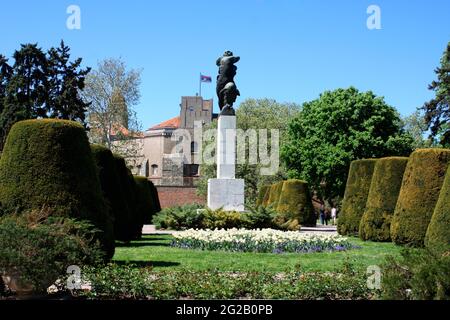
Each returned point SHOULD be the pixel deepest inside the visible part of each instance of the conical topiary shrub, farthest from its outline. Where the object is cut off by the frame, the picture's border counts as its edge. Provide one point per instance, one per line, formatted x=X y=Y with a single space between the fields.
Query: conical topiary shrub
x=48 y=163
x=145 y=201
x=355 y=196
x=274 y=195
x=112 y=188
x=387 y=179
x=438 y=232
x=295 y=207
x=263 y=194
x=422 y=182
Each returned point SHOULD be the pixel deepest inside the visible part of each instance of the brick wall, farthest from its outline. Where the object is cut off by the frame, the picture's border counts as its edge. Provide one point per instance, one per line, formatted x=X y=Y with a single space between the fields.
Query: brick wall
x=170 y=196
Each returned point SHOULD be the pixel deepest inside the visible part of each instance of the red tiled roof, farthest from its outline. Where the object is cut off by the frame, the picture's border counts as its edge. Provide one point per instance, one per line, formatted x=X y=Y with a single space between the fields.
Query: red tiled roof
x=173 y=123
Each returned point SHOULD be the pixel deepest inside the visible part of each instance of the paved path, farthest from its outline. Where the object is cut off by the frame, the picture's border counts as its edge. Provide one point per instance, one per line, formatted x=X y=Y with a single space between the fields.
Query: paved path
x=150 y=229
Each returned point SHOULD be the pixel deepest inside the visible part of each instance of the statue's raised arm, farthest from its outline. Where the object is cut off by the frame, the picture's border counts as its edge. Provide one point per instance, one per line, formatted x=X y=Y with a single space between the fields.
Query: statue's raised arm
x=226 y=89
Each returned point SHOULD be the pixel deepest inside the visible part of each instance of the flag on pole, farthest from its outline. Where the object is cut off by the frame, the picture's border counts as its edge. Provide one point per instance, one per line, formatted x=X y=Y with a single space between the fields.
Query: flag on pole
x=205 y=78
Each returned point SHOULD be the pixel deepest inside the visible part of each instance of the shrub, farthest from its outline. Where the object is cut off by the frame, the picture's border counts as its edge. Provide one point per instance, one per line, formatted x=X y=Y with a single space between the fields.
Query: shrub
x=145 y=205
x=274 y=194
x=263 y=194
x=38 y=247
x=126 y=226
x=438 y=232
x=221 y=219
x=261 y=217
x=155 y=198
x=48 y=163
x=111 y=186
x=386 y=182
x=420 y=274
x=295 y=205
x=355 y=197
x=422 y=181
x=180 y=217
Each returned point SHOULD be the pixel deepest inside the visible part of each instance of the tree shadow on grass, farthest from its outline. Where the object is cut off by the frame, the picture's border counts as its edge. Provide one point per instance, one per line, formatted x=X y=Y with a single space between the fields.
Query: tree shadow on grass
x=146 y=264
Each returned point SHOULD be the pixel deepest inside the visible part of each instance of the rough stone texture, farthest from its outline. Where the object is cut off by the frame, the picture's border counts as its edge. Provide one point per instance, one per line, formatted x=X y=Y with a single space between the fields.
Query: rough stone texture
x=170 y=196
x=172 y=174
x=226 y=193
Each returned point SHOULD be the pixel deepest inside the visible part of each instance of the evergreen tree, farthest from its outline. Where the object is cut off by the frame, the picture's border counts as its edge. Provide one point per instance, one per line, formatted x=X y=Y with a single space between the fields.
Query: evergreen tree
x=437 y=111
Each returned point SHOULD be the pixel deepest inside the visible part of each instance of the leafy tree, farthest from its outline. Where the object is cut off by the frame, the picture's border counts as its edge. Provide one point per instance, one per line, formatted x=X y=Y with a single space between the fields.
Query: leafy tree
x=415 y=125
x=254 y=114
x=437 y=111
x=341 y=126
x=113 y=92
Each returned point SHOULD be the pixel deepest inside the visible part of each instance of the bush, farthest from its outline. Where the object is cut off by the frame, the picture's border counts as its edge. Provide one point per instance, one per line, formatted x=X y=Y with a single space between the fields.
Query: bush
x=127 y=223
x=438 y=232
x=180 y=217
x=386 y=182
x=48 y=163
x=221 y=219
x=111 y=186
x=146 y=206
x=155 y=198
x=295 y=205
x=274 y=194
x=263 y=194
x=261 y=218
x=355 y=197
x=422 y=181
x=38 y=247
x=421 y=274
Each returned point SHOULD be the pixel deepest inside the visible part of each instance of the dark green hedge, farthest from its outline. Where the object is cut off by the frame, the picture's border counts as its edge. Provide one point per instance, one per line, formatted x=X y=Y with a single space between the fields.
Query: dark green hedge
x=438 y=232
x=146 y=199
x=355 y=197
x=48 y=163
x=295 y=207
x=274 y=195
x=386 y=182
x=422 y=182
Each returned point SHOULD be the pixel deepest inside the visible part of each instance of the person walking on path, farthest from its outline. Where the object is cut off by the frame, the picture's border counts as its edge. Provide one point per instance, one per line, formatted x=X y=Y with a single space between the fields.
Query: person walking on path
x=322 y=214
x=334 y=214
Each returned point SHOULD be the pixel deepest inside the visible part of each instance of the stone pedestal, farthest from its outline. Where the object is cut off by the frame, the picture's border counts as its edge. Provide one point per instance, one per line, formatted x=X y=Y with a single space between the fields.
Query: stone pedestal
x=226 y=192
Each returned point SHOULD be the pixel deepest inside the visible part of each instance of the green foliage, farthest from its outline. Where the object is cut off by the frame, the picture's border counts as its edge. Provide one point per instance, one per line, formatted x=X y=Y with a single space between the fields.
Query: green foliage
x=126 y=227
x=37 y=247
x=387 y=179
x=438 y=232
x=295 y=207
x=262 y=217
x=48 y=163
x=422 y=181
x=274 y=194
x=341 y=126
x=421 y=274
x=180 y=217
x=355 y=197
x=146 y=206
x=437 y=111
x=129 y=282
x=40 y=85
x=254 y=114
x=263 y=194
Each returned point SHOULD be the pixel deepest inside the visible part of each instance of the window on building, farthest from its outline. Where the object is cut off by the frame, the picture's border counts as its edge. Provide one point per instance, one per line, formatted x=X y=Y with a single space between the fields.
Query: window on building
x=194 y=147
x=190 y=170
x=154 y=170
x=147 y=168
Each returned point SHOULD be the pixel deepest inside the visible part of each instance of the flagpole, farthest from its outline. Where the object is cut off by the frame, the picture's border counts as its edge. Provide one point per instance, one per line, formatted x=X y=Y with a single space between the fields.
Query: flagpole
x=200 y=85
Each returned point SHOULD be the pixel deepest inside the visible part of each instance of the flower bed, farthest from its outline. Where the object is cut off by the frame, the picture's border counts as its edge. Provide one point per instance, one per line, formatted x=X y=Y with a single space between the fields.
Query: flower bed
x=265 y=240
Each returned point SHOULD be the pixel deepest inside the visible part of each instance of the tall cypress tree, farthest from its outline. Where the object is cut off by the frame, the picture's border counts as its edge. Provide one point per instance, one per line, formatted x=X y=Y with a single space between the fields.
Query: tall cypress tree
x=437 y=110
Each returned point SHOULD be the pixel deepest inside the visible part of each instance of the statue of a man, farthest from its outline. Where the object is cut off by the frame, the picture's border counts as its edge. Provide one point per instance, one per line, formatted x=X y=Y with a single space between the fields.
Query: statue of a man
x=226 y=89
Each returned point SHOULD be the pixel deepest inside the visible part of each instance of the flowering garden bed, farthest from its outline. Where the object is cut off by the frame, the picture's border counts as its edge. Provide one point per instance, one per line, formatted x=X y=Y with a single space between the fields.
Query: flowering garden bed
x=265 y=241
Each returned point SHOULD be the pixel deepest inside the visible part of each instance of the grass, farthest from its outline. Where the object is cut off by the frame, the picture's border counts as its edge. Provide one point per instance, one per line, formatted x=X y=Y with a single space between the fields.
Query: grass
x=155 y=251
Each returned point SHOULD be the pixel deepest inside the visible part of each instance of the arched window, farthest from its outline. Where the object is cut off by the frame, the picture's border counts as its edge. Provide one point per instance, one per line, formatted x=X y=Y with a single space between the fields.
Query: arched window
x=147 y=169
x=154 y=170
x=194 y=147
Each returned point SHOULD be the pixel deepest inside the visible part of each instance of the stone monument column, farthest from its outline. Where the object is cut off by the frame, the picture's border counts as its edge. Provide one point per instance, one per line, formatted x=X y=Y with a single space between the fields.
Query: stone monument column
x=226 y=191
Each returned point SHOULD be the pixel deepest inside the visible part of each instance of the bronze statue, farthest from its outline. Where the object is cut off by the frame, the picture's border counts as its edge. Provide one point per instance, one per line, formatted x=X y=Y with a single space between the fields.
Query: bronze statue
x=226 y=89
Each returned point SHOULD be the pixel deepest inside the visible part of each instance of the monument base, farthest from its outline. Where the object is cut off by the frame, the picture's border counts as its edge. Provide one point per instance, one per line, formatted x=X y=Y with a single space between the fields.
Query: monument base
x=226 y=193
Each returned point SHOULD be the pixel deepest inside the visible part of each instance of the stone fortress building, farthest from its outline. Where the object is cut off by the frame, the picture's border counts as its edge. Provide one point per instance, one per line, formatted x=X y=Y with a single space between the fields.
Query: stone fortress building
x=161 y=159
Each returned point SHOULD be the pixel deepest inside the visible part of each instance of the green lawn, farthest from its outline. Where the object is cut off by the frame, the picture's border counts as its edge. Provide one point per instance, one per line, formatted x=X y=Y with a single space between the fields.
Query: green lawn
x=155 y=250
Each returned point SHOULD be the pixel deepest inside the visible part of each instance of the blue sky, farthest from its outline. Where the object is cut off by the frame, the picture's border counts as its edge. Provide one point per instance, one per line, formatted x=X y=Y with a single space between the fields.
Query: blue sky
x=291 y=50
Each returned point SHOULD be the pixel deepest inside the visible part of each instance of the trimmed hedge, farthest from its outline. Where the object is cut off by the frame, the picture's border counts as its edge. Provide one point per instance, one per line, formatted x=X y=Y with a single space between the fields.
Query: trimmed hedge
x=155 y=199
x=387 y=179
x=126 y=226
x=355 y=197
x=145 y=206
x=438 y=232
x=422 y=181
x=263 y=194
x=112 y=188
x=274 y=194
x=48 y=164
x=295 y=207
